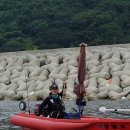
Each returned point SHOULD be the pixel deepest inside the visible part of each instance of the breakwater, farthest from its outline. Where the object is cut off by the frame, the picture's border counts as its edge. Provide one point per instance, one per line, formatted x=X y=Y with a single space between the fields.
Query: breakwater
x=31 y=73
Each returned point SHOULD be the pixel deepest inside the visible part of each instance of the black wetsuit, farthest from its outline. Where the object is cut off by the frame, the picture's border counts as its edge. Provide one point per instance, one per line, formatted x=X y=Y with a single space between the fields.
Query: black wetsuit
x=53 y=107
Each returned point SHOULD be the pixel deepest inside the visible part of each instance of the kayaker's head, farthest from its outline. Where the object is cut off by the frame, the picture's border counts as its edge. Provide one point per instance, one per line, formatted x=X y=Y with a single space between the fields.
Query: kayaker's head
x=54 y=89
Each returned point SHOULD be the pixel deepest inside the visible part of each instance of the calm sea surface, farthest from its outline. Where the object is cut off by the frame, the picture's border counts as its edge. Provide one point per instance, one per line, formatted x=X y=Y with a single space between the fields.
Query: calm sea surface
x=9 y=108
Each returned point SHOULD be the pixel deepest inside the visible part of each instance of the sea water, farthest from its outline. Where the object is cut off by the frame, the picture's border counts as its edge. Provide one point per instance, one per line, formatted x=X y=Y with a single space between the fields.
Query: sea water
x=9 y=108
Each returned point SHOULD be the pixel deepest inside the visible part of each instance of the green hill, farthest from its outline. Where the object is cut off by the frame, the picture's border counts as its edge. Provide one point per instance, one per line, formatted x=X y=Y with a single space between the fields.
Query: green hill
x=41 y=24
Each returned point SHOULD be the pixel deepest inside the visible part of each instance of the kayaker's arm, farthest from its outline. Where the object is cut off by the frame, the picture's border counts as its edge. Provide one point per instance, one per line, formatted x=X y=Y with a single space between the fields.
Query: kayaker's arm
x=63 y=92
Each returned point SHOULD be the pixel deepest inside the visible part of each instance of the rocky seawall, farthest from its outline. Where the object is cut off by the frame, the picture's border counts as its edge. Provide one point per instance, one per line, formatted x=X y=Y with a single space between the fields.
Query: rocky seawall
x=31 y=73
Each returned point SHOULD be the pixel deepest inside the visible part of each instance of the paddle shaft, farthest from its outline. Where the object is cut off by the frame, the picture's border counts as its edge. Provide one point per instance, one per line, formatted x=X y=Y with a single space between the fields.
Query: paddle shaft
x=118 y=110
x=103 y=110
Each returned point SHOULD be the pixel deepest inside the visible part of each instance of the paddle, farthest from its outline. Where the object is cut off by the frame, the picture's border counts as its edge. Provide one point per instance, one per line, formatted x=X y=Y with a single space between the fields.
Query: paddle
x=64 y=91
x=104 y=110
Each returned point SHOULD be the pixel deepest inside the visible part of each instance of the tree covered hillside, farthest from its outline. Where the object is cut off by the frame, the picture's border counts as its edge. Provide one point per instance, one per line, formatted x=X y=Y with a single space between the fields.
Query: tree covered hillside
x=40 y=24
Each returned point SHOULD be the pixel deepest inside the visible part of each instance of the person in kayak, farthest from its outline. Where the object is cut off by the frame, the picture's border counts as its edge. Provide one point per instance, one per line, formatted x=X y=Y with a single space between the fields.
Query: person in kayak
x=53 y=106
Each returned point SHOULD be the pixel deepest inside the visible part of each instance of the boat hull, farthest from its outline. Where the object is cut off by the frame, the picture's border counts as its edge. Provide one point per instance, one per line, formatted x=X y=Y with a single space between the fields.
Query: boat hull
x=32 y=122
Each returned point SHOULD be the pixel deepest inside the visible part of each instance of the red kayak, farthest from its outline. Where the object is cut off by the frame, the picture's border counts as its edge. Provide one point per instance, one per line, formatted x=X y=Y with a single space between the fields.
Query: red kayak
x=32 y=122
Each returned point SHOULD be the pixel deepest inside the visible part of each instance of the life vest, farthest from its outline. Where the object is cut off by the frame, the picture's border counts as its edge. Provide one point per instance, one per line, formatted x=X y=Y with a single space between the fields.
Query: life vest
x=54 y=107
x=56 y=103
